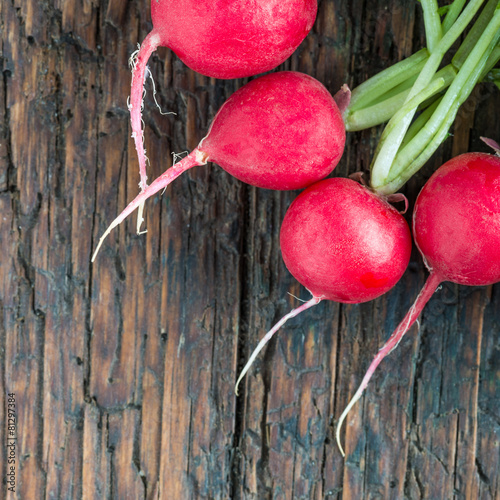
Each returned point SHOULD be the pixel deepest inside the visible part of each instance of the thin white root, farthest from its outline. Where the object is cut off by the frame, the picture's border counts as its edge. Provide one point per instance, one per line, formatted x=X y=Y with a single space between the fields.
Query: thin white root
x=382 y=353
x=177 y=157
x=132 y=60
x=295 y=297
x=148 y=73
x=115 y=223
x=267 y=337
x=353 y=401
x=140 y=219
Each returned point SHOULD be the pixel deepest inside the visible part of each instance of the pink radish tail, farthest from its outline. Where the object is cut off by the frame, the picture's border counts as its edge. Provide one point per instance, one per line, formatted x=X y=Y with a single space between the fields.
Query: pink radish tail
x=149 y=45
x=425 y=294
x=267 y=337
x=193 y=159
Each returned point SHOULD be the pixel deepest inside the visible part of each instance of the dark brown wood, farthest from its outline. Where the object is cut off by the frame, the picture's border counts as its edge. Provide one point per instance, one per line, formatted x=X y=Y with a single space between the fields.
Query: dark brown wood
x=124 y=370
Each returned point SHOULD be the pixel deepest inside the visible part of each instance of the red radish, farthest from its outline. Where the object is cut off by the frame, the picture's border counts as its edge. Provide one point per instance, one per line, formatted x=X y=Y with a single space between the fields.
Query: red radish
x=343 y=243
x=456 y=226
x=280 y=131
x=220 y=39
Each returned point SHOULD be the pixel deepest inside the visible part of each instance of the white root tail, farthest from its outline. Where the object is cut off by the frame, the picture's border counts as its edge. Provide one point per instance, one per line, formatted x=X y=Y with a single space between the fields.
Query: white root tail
x=267 y=337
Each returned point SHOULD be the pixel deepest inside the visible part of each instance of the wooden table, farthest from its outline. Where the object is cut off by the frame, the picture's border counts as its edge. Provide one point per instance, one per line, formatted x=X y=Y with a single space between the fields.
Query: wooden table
x=123 y=371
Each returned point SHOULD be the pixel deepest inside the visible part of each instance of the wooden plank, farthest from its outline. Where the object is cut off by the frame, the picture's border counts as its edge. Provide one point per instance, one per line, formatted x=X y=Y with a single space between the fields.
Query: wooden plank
x=124 y=369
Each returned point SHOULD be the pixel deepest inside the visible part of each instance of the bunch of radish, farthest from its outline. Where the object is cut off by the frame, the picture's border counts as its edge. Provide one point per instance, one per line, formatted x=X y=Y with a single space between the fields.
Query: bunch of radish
x=341 y=239
x=331 y=247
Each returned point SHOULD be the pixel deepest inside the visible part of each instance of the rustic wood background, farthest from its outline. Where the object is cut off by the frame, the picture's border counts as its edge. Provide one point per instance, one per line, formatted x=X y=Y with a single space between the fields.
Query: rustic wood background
x=124 y=370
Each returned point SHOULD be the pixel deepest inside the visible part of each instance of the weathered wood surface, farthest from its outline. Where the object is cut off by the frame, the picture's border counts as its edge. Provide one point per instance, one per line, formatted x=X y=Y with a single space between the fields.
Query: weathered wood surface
x=124 y=370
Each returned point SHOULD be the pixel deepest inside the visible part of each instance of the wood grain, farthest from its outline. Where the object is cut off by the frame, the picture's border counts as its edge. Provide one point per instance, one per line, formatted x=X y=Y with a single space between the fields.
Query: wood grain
x=124 y=370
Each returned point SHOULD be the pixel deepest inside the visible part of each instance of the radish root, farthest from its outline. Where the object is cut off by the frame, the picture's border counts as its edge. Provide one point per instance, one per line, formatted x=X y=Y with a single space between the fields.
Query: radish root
x=150 y=75
x=267 y=337
x=411 y=316
x=137 y=63
x=138 y=135
x=193 y=159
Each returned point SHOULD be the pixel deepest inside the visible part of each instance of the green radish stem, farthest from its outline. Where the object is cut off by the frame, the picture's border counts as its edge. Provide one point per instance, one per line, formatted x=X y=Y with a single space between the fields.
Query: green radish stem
x=474 y=34
x=410 y=158
x=432 y=22
x=383 y=111
x=374 y=101
x=377 y=85
x=388 y=148
x=452 y=14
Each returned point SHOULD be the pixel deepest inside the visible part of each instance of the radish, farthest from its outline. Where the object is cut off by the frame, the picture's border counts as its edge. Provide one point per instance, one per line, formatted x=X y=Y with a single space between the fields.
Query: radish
x=220 y=39
x=280 y=131
x=456 y=226
x=343 y=243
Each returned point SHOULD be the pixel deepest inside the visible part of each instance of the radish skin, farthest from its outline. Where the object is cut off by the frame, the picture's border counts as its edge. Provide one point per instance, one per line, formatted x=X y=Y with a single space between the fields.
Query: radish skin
x=456 y=227
x=280 y=131
x=232 y=38
x=343 y=242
